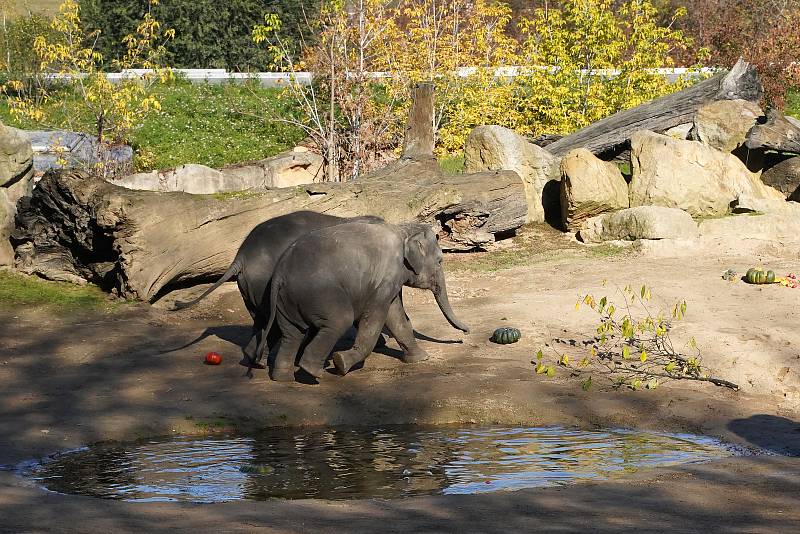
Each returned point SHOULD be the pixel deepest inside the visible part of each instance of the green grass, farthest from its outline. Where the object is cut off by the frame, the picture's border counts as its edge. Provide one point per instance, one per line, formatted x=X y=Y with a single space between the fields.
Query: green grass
x=215 y=125
x=453 y=164
x=212 y=125
x=21 y=290
x=45 y=7
x=793 y=104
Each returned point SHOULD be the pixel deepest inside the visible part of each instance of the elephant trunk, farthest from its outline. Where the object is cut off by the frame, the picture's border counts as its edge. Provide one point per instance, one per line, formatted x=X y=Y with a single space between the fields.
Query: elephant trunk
x=440 y=293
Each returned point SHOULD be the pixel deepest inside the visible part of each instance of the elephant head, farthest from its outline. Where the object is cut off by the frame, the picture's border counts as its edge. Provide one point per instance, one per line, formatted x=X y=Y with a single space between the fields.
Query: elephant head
x=423 y=260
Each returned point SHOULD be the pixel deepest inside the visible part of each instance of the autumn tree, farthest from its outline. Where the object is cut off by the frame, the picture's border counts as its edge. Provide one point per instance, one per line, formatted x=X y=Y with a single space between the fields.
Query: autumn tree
x=116 y=108
x=459 y=45
x=588 y=60
x=341 y=110
x=764 y=32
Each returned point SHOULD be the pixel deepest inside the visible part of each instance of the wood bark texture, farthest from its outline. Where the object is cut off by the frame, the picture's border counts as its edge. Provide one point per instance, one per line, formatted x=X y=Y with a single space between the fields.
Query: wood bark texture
x=608 y=136
x=419 y=138
x=777 y=133
x=77 y=227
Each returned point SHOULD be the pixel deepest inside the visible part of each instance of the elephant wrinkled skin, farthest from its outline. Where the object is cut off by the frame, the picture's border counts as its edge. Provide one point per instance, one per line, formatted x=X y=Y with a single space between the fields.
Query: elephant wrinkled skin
x=253 y=267
x=354 y=272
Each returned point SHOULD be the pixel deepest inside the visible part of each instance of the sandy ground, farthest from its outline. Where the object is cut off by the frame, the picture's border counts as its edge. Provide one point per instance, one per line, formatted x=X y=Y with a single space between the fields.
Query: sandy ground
x=67 y=381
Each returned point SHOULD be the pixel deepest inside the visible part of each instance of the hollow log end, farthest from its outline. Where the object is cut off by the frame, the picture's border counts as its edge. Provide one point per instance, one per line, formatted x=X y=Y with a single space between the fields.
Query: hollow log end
x=741 y=82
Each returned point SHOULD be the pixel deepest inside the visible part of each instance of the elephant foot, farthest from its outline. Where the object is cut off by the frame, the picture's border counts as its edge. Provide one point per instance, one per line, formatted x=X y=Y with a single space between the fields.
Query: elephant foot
x=316 y=372
x=345 y=360
x=247 y=362
x=282 y=374
x=417 y=355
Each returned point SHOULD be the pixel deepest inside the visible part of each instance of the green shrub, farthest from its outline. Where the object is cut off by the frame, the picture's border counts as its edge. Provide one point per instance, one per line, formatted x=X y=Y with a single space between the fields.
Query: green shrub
x=208 y=33
x=18 y=61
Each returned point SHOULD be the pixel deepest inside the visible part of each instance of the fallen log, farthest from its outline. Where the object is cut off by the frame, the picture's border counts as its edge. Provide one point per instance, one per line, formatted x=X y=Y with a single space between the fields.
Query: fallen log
x=777 y=133
x=79 y=228
x=608 y=136
x=136 y=243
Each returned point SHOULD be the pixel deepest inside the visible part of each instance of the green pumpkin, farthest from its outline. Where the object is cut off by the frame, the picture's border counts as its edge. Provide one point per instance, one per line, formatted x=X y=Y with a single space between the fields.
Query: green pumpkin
x=758 y=276
x=505 y=335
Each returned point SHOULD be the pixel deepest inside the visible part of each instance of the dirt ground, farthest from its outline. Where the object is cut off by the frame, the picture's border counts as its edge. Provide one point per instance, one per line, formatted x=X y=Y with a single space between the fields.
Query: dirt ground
x=68 y=380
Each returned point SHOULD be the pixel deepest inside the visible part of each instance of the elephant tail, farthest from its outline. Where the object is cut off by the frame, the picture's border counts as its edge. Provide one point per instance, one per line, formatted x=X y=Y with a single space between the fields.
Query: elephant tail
x=233 y=270
x=273 y=304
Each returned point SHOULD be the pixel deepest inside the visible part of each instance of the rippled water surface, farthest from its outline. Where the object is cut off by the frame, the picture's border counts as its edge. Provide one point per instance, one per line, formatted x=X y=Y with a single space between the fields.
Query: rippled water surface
x=348 y=463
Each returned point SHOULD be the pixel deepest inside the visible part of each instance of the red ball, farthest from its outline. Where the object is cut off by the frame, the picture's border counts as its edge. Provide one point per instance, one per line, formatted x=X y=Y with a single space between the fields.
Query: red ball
x=212 y=358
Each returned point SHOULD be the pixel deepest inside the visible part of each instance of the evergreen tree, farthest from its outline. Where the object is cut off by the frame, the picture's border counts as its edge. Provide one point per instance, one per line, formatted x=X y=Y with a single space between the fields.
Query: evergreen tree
x=208 y=33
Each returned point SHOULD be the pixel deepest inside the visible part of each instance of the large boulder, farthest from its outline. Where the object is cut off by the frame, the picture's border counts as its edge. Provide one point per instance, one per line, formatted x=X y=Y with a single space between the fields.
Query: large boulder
x=63 y=149
x=189 y=178
x=785 y=177
x=689 y=175
x=284 y=170
x=7 y=212
x=16 y=155
x=288 y=169
x=641 y=222
x=21 y=188
x=493 y=148
x=589 y=187
x=723 y=124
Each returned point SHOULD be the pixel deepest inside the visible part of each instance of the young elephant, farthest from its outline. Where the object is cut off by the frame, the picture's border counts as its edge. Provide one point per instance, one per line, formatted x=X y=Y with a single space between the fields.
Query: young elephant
x=253 y=267
x=351 y=273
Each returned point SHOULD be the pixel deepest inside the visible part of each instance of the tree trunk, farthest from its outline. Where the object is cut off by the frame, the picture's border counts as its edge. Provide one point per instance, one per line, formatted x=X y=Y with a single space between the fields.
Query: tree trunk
x=419 y=139
x=137 y=243
x=608 y=136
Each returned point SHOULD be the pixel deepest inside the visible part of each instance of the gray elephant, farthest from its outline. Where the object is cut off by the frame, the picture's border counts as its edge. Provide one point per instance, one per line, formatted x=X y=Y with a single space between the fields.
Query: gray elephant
x=354 y=272
x=253 y=267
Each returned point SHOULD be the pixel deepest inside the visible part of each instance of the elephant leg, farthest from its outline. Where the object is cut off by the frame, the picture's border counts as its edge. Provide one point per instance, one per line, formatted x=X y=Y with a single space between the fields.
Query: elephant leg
x=282 y=369
x=400 y=328
x=254 y=350
x=317 y=351
x=369 y=329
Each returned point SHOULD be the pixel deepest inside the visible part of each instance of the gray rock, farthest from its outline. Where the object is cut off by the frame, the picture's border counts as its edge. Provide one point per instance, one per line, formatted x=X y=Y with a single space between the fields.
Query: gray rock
x=589 y=187
x=62 y=149
x=642 y=222
x=190 y=178
x=748 y=204
x=681 y=131
x=21 y=188
x=7 y=212
x=785 y=177
x=284 y=170
x=288 y=169
x=689 y=175
x=16 y=155
x=493 y=148
x=723 y=124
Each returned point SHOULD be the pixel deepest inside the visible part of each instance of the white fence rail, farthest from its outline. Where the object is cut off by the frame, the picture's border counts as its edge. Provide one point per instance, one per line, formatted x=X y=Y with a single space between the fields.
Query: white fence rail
x=279 y=79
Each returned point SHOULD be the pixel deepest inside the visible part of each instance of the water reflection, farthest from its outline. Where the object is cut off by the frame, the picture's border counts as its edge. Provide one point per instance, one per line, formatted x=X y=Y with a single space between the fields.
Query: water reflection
x=345 y=463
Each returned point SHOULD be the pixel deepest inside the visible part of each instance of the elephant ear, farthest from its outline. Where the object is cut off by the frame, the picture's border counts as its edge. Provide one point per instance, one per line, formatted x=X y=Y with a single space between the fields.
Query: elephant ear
x=414 y=250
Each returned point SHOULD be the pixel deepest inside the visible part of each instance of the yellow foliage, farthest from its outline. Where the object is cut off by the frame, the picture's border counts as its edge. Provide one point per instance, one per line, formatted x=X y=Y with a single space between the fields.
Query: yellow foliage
x=565 y=57
x=117 y=107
